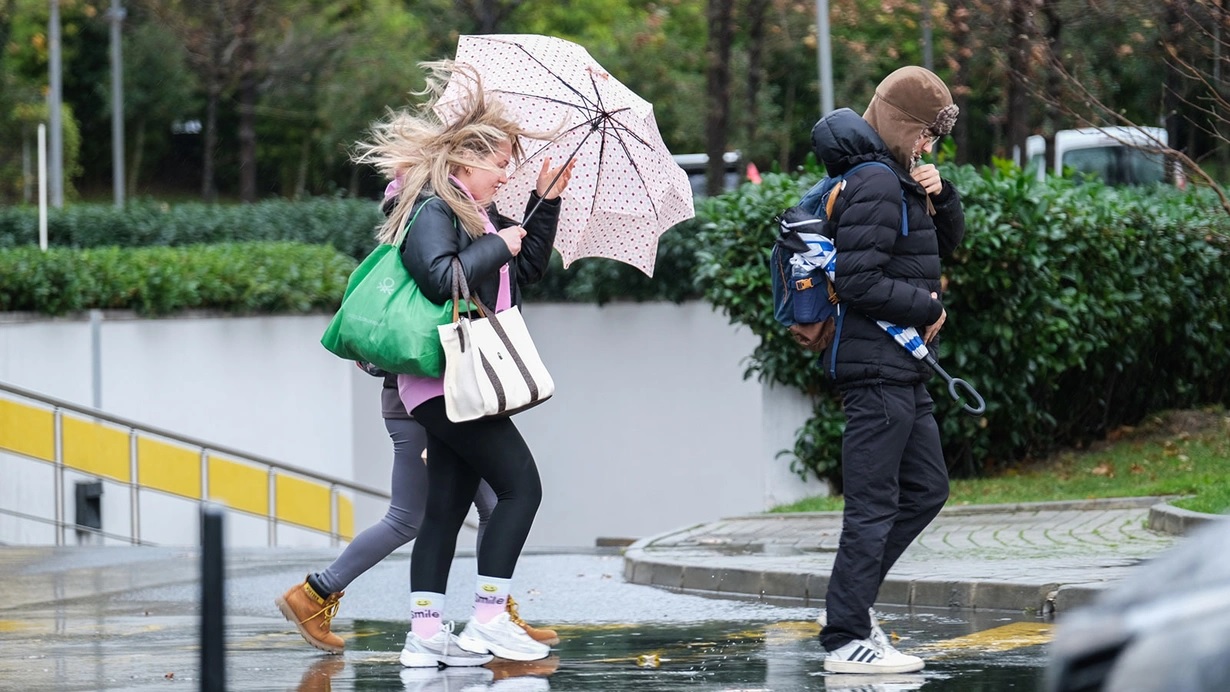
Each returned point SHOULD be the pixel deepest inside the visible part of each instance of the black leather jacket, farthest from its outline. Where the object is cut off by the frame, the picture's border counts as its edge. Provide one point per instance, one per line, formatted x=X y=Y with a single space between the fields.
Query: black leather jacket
x=881 y=273
x=436 y=237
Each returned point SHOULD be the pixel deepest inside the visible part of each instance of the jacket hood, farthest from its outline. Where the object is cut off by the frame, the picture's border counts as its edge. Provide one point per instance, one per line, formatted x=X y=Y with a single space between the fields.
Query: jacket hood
x=910 y=102
x=842 y=139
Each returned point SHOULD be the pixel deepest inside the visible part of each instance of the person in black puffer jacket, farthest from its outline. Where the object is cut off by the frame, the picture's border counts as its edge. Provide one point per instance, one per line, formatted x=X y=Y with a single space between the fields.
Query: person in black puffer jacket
x=895 y=478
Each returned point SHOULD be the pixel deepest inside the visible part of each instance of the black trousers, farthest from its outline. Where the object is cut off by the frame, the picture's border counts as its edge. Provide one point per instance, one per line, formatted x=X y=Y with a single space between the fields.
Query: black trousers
x=895 y=483
x=458 y=455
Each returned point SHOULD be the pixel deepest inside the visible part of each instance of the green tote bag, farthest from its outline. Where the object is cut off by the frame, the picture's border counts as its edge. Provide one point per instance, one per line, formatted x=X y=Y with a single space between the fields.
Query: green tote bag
x=385 y=319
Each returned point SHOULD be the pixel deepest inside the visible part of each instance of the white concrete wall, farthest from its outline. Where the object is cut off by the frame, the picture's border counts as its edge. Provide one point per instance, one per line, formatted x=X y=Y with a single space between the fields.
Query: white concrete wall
x=652 y=425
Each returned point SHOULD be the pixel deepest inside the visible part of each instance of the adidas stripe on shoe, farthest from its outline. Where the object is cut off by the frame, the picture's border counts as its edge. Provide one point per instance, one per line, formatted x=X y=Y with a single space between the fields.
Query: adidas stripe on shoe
x=878 y=635
x=867 y=656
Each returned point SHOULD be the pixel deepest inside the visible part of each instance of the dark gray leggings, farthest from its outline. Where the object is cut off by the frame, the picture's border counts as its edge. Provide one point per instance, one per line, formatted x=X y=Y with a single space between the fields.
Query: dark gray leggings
x=401 y=524
x=461 y=455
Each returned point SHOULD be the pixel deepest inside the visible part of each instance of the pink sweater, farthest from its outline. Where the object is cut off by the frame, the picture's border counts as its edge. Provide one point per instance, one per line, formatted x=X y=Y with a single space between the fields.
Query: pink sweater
x=415 y=389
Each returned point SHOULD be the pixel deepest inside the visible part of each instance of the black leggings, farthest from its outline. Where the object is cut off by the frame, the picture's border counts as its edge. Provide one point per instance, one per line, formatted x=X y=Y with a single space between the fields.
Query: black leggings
x=459 y=454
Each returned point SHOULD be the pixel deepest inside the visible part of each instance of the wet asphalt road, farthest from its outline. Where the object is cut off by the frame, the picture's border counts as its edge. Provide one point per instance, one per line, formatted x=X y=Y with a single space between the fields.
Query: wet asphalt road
x=616 y=636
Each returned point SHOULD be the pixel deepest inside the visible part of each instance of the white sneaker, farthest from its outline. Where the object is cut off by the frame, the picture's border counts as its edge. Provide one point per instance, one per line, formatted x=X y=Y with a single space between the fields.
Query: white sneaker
x=442 y=649
x=877 y=633
x=503 y=638
x=471 y=679
x=866 y=656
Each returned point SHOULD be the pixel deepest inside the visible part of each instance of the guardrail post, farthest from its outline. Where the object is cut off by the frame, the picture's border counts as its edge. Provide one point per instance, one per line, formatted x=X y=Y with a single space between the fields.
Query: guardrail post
x=134 y=488
x=213 y=602
x=57 y=417
x=334 y=518
x=273 y=508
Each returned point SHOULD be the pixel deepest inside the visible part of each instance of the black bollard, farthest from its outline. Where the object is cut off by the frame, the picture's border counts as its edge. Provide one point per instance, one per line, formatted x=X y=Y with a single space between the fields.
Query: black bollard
x=213 y=602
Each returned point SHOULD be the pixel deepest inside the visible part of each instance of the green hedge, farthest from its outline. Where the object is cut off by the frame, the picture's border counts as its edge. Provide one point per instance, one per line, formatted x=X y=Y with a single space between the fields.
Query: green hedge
x=1072 y=308
x=244 y=278
x=346 y=224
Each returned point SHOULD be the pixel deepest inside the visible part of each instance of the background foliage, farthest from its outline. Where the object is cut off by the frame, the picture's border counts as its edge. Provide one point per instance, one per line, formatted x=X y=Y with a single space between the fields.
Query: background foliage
x=346 y=225
x=1073 y=308
x=241 y=278
x=293 y=83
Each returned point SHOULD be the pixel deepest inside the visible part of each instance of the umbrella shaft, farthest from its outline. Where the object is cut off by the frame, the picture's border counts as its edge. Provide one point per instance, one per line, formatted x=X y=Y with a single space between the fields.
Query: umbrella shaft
x=558 y=174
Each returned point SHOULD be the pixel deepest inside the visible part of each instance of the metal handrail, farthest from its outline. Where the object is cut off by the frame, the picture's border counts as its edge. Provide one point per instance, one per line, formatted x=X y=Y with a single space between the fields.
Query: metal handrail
x=271 y=465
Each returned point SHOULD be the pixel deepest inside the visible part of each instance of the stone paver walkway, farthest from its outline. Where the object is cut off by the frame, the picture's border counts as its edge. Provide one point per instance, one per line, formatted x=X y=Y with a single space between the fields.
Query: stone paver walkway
x=1034 y=557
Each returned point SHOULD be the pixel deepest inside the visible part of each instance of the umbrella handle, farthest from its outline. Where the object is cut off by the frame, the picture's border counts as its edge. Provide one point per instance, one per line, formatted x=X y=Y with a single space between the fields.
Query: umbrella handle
x=955 y=383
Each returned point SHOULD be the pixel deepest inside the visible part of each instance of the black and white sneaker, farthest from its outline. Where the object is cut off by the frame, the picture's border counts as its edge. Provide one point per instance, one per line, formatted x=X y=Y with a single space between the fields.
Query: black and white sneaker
x=877 y=633
x=867 y=656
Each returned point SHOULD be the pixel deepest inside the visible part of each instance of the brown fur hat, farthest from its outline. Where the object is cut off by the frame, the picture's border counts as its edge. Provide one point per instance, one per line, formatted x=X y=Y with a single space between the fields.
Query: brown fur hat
x=909 y=102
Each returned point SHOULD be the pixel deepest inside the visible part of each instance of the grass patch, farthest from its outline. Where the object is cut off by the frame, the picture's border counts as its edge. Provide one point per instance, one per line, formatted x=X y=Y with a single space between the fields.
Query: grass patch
x=1173 y=453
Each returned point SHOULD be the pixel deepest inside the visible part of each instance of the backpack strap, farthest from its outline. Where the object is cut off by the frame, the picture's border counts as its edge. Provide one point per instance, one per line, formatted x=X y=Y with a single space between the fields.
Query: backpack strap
x=832 y=200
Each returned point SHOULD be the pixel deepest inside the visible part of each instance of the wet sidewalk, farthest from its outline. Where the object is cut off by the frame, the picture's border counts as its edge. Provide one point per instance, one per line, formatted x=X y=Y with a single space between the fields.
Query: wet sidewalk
x=1041 y=558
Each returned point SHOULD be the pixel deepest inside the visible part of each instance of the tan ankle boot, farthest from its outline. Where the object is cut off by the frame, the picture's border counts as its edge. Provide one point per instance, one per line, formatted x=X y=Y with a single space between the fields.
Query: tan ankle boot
x=542 y=636
x=312 y=615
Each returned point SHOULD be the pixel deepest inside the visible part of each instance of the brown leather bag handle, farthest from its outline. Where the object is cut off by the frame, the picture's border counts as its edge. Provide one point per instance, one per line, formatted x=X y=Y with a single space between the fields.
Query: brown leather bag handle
x=461 y=291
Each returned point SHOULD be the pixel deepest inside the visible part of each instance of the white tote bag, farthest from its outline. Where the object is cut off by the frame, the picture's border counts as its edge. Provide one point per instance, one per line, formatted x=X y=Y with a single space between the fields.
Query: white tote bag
x=491 y=366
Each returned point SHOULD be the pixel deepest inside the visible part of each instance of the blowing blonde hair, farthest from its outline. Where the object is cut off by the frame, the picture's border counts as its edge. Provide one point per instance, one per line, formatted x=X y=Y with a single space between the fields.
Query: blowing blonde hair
x=418 y=147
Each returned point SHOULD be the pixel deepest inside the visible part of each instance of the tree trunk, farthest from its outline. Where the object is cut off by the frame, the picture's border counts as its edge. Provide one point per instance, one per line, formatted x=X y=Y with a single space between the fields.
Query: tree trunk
x=1172 y=96
x=1054 y=80
x=246 y=54
x=1018 y=75
x=488 y=15
x=305 y=157
x=209 y=190
x=959 y=13
x=755 y=67
x=138 y=157
x=717 y=116
x=784 y=145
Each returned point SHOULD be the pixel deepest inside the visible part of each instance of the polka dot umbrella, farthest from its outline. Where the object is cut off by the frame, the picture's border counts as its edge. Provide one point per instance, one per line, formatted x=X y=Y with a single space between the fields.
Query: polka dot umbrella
x=626 y=190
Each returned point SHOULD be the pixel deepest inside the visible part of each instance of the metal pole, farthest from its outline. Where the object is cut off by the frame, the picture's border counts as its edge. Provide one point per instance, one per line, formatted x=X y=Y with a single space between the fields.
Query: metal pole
x=42 y=186
x=825 y=49
x=116 y=15
x=928 y=59
x=53 y=106
x=213 y=602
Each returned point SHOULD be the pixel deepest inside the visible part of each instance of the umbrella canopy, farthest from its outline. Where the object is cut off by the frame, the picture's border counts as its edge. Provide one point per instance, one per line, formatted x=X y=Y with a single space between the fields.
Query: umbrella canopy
x=626 y=190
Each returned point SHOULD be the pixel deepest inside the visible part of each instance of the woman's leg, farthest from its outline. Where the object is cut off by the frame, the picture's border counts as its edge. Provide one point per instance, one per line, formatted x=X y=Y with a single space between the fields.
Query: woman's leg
x=401 y=523
x=452 y=485
x=312 y=604
x=484 y=502
x=493 y=449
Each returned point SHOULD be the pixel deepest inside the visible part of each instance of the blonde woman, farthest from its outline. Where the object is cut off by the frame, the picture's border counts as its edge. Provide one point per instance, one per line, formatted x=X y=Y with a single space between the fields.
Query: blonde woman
x=449 y=172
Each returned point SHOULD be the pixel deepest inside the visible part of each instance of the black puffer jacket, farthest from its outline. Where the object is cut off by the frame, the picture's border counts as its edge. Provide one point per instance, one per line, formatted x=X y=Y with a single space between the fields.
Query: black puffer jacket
x=881 y=273
x=436 y=237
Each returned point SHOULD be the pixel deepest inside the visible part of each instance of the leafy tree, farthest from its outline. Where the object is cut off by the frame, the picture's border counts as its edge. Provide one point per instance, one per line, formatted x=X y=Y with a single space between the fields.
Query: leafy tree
x=23 y=83
x=158 y=92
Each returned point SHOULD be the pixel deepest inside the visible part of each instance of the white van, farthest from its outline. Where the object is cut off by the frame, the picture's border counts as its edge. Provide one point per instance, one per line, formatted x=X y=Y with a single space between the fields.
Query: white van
x=1116 y=155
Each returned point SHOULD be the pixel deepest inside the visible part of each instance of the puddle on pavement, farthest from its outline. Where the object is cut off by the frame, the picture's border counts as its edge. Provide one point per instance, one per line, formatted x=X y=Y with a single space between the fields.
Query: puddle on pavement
x=710 y=656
